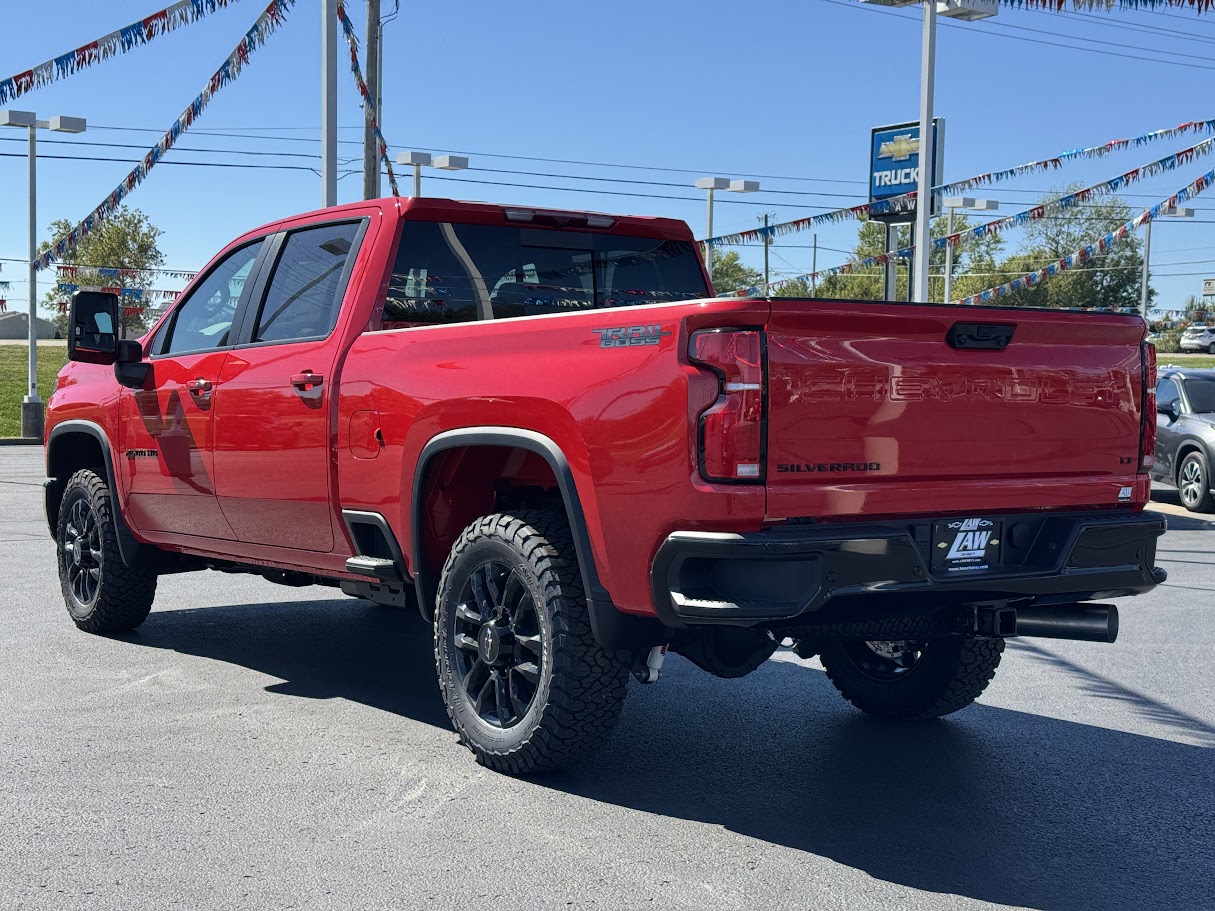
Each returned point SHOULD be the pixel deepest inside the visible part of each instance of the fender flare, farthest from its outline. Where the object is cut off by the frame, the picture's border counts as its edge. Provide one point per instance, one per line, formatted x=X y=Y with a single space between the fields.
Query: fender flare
x=612 y=628
x=128 y=546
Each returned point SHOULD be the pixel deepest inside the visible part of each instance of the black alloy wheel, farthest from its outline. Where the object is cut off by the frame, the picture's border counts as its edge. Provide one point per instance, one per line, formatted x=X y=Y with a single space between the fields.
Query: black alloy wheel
x=884 y=660
x=1211 y=348
x=80 y=552
x=499 y=648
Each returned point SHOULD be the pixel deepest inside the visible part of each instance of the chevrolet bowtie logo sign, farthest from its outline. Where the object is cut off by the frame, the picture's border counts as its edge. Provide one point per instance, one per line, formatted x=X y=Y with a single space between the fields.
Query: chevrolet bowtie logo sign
x=901 y=148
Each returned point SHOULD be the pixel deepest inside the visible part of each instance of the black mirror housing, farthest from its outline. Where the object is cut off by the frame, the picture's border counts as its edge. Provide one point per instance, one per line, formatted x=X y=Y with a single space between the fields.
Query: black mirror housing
x=130 y=369
x=93 y=324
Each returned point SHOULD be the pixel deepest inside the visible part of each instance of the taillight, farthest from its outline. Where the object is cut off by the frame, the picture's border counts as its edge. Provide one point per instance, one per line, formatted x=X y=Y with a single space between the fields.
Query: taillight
x=731 y=433
x=1147 y=435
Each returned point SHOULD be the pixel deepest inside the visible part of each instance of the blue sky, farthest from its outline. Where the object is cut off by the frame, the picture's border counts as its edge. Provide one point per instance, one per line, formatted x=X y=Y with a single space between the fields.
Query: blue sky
x=782 y=91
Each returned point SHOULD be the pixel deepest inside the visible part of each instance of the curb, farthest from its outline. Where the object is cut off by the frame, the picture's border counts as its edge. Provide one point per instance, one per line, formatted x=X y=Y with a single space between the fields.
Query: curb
x=19 y=441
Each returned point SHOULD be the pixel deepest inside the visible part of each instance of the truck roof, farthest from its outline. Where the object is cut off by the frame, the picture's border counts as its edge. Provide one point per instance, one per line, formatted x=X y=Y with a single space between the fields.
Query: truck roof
x=429 y=208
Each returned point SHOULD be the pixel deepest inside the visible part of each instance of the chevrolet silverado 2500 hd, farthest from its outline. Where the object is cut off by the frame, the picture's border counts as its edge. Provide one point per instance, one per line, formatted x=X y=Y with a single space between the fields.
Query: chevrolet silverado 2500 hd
x=540 y=429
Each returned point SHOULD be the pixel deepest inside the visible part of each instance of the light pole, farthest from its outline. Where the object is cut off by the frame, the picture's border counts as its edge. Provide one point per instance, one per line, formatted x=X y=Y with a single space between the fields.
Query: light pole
x=419 y=160
x=1170 y=212
x=329 y=30
x=967 y=10
x=31 y=405
x=712 y=184
x=951 y=204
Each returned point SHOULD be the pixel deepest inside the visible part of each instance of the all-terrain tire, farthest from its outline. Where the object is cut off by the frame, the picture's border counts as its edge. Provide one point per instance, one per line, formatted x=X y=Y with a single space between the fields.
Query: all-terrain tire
x=949 y=674
x=519 y=575
x=102 y=594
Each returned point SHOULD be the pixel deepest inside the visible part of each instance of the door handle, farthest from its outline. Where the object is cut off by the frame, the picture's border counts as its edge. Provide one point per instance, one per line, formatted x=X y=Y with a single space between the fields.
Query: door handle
x=307 y=379
x=199 y=387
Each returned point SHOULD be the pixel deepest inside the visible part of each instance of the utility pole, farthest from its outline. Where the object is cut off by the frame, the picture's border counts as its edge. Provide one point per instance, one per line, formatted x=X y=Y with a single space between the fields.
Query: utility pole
x=329 y=27
x=918 y=278
x=371 y=150
x=767 y=243
x=814 y=268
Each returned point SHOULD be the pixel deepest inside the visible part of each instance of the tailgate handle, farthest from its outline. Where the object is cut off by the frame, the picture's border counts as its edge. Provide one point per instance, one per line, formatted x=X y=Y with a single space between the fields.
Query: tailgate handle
x=982 y=336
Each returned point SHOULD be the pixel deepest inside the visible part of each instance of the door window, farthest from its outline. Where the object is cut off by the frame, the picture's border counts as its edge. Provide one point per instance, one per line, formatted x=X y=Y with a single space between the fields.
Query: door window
x=203 y=321
x=1167 y=392
x=303 y=299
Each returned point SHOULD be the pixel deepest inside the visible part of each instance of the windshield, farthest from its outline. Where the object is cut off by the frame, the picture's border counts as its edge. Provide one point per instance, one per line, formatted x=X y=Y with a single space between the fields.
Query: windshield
x=454 y=273
x=1201 y=393
x=1196 y=330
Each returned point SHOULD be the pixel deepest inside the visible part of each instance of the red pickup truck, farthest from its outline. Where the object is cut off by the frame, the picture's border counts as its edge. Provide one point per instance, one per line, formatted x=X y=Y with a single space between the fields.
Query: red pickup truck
x=539 y=429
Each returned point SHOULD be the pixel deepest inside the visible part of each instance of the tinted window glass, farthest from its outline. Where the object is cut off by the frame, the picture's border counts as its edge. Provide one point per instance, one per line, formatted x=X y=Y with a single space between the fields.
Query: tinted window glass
x=302 y=299
x=1166 y=391
x=430 y=284
x=204 y=319
x=453 y=273
x=1201 y=394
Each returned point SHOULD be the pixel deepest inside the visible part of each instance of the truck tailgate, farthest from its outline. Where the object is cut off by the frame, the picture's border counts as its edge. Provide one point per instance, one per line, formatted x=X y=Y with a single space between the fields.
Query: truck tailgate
x=871 y=408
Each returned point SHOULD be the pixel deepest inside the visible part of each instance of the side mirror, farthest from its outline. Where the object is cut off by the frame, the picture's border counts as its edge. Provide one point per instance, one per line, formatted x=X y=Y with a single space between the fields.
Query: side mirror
x=130 y=369
x=1171 y=409
x=93 y=327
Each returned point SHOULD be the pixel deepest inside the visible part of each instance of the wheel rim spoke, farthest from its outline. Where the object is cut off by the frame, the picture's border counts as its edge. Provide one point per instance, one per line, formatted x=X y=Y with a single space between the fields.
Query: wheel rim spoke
x=529 y=671
x=468 y=614
x=532 y=643
x=481 y=593
x=466 y=642
x=505 y=715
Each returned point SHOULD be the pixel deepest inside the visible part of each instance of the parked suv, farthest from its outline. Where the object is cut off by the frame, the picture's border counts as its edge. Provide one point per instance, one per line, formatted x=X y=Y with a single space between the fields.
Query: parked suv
x=1198 y=338
x=1185 y=434
x=541 y=430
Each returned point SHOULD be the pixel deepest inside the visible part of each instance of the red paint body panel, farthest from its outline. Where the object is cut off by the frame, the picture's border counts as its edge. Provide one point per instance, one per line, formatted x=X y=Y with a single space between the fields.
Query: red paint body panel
x=264 y=472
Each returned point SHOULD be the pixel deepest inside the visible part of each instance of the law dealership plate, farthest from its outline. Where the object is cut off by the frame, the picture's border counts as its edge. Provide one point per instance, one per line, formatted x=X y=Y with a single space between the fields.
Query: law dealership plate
x=962 y=546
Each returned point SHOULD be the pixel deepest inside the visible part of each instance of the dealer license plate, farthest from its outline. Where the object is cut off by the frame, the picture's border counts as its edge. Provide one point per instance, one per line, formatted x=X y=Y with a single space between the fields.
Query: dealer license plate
x=962 y=546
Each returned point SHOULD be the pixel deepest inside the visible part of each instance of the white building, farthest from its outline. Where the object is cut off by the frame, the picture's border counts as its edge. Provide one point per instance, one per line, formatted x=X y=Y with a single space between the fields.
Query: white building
x=16 y=325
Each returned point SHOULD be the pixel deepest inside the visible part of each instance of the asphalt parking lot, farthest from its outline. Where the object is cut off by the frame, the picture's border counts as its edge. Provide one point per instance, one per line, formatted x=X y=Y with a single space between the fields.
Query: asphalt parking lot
x=253 y=746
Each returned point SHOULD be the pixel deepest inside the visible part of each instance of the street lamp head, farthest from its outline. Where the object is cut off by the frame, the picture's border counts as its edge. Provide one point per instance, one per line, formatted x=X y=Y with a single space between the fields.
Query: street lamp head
x=68 y=124
x=1175 y=212
x=450 y=162
x=414 y=158
x=712 y=183
x=743 y=186
x=969 y=202
x=18 y=119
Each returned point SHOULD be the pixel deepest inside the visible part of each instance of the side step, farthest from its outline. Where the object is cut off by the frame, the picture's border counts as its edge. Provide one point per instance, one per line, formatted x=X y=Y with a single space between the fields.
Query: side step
x=375 y=567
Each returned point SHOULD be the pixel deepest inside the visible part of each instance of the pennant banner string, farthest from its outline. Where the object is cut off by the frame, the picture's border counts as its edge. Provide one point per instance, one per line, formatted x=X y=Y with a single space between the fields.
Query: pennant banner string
x=1189 y=192
x=906 y=201
x=1097 y=248
x=1198 y=6
x=368 y=101
x=119 y=42
x=265 y=25
x=1035 y=213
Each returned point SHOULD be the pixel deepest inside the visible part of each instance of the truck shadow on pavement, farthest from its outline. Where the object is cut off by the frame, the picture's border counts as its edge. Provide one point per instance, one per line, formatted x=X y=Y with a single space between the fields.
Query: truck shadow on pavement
x=992 y=804
x=379 y=656
x=997 y=805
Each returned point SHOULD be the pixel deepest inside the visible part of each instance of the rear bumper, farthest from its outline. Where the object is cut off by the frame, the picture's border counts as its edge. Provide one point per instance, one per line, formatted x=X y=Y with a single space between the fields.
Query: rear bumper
x=785 y=573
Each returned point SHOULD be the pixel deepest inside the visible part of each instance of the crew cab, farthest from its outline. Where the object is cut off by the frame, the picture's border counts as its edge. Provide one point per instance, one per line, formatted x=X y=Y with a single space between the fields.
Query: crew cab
x=540 y=430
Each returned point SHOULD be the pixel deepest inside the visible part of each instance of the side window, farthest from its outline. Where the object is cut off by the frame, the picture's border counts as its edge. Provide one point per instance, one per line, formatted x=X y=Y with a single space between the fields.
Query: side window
x=434 y=280
x=302 y=300
x=1166 y=392
x=204 y=319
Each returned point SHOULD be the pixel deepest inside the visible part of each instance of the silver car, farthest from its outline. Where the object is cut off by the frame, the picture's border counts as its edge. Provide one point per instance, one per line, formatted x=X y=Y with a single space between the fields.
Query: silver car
x=1198 y=338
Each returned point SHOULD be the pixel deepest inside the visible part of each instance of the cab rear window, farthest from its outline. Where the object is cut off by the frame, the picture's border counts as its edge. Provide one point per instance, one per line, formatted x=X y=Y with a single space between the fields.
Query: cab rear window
x=448 y=273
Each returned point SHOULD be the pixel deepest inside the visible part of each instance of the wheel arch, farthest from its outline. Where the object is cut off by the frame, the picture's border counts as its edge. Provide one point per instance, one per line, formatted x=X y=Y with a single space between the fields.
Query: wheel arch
x=1184 y=448
x=611 y=628
x=74 y=445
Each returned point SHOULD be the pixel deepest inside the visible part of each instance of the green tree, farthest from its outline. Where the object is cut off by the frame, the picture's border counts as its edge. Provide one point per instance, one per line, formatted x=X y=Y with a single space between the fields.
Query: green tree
x=126 y=240
x=730 y=273
x=1112 y=279
x=975 y=255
